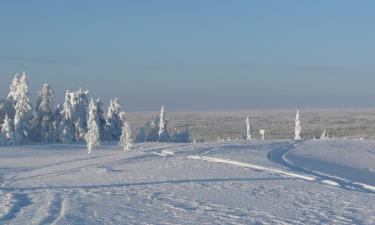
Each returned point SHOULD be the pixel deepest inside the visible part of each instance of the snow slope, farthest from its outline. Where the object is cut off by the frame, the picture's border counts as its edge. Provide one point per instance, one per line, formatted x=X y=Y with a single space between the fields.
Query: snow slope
x=211 y=183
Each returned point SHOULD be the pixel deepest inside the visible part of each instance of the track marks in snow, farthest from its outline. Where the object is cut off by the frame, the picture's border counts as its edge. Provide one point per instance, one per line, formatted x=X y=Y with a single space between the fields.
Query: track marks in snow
x=254 y=167
x=51 y=211
x=12 y=204
x=279 y=155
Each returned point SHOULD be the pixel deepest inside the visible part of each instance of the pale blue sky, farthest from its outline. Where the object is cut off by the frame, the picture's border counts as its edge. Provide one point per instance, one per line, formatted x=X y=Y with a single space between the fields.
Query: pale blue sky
x=195 y=55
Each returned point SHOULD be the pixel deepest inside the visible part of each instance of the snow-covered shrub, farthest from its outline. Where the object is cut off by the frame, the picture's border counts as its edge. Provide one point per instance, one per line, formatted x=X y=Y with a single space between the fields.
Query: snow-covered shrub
x=7 y=131
x=181 y=136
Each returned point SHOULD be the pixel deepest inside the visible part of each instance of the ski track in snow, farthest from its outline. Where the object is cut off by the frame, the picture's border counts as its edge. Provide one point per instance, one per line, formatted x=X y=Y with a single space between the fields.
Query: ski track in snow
x=254 y=167
x=279 y=156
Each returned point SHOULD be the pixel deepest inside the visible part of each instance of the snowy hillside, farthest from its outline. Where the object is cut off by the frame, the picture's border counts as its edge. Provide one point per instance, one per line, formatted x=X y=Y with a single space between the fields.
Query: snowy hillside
x=254 y=182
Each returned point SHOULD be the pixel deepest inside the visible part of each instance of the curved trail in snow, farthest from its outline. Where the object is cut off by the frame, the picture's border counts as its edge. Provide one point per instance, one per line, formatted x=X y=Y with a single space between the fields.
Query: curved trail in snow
x=279 y=156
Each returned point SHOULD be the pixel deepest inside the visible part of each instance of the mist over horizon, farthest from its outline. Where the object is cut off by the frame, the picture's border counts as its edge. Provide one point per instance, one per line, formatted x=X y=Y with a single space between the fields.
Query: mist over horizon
x=211 y=55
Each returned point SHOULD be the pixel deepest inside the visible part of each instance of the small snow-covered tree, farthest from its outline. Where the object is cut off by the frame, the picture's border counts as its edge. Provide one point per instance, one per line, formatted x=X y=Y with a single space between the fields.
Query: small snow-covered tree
x=262 y=134
x=113 y=121
x=126 y=137
x=324 y=135
x=298 y=127
x=248 y=129
x=163 y=130
x=92 y=136
x=44 y=128
x=23 y=117
x=7 y=131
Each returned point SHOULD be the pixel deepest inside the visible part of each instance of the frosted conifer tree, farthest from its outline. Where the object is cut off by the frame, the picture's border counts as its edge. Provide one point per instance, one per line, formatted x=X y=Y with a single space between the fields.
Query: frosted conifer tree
x=92 y=136
x=323 y=136
x=126 y=137
x=67 y=122
x=298 y=128
x=44 y=129
x=100 y=118
x=113 y=121
x=262 y=133
x=7 y=105
x=23 y=116
x=13 y=92
x=74 y=116
x=7 y=131
x=163 y=131
x=248 y=130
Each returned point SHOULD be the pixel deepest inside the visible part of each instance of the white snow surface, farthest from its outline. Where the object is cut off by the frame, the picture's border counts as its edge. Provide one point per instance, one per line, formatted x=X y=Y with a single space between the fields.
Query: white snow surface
x=249 y=182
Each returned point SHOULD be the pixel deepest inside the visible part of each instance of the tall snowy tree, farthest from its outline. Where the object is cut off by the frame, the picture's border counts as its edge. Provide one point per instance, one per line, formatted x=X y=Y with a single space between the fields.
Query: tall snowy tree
x=298 y=127
x=74 y=116
x=23 y=117
x=100 y=119
x=7 y=106
x=163 y=130
x=114 y=120
x=248 y=131
x=57 y=123
x=67 y=121
x=44 y=128
x=92 y=136
x=7 y=131
x=126 y=137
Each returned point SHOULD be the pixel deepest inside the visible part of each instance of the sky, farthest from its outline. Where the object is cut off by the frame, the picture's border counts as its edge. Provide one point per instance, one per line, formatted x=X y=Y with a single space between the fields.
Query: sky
x=195 y=55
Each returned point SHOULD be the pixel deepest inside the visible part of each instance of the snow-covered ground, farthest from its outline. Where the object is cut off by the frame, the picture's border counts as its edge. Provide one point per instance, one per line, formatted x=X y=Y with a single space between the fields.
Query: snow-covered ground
x=255 y=182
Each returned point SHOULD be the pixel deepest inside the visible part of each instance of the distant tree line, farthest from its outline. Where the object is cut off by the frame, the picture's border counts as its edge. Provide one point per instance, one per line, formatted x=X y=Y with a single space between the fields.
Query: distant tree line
x=80 y=118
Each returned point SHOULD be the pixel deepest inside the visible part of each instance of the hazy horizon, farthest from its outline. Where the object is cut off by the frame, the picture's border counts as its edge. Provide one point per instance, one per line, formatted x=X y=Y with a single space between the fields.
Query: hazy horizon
x=194 y=55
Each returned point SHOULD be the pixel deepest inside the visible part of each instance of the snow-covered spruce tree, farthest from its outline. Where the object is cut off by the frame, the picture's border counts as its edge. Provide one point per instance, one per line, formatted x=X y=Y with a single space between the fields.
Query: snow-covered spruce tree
x=57 y=126
x=74 y=116
x=248 y=129
x=67 y=120
x=298 y=127
x=126 y=137
x=44 y=127
x=24 y=115
x=163 y=130
x=324 y=135
x=92 y=136
x=113 y=121
x=13 y=92
x=7 y=131
x=262 y=134
x=7 y=106
x=100 y=119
